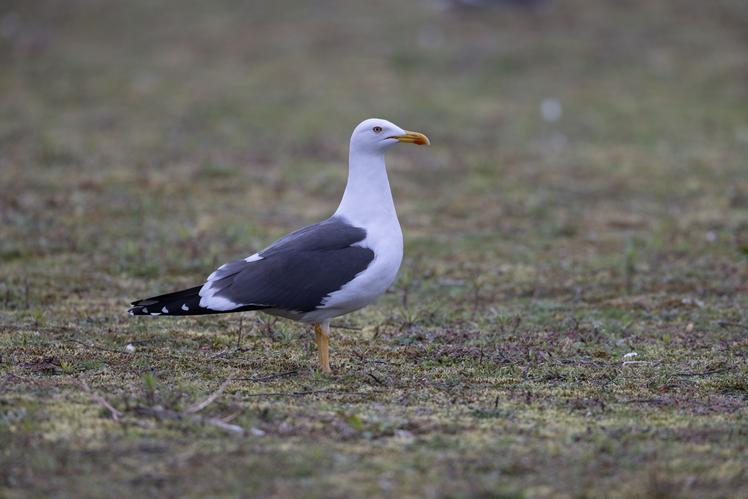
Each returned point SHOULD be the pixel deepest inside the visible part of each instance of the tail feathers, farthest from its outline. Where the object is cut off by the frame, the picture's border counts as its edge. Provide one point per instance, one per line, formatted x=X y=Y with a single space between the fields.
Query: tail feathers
x=185 y=302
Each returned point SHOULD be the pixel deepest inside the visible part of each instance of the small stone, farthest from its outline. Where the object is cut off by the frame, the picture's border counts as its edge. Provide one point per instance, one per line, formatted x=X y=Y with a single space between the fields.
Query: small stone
x=551 y=110
x=630 y=355
x=130 y=348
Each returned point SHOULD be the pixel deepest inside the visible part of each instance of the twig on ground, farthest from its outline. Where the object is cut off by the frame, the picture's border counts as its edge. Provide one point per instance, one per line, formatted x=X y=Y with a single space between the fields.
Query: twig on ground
x=160 y=413
x=363 y=358
x=345 y=326
x=310 y=392
x=657 y=401
x=102 y=401
x=705 y=373
x=190 y=414
x=232 y=416
x=387 y=362
x=199 y=406
x=224 y=425
x=726 y=324
x=219 y=354
x=269 y=377
x=378 y=381
x=641 y=363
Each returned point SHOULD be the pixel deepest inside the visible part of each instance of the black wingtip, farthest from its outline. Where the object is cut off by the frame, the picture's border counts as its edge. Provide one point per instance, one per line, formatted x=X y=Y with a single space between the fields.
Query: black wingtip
x=137 y=310
x=184 y=302
x=145 y=302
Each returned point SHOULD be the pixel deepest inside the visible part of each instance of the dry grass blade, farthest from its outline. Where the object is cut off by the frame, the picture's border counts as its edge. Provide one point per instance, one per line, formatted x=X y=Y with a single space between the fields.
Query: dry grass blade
x=116 y=414
x=199 y=406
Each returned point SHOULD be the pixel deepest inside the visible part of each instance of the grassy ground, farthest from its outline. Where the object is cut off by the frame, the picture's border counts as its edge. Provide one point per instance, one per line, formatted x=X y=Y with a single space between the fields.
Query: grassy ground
x=144 y=143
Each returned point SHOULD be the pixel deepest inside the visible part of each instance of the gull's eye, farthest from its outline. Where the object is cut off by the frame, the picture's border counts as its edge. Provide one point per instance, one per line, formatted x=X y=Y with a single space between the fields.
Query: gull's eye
x=377 y=129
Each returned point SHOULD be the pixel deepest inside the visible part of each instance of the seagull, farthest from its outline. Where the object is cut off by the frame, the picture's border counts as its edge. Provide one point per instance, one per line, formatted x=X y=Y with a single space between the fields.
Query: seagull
x=321 y=271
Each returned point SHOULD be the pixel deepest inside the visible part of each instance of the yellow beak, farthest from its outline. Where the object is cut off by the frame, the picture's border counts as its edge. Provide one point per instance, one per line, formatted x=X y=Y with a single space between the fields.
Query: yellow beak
x=413 y=138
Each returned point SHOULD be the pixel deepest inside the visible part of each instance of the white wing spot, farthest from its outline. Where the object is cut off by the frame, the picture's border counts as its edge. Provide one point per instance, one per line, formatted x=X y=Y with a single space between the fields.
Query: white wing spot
x=185 y=307
x=253 y=258
x=214 y=274
x=164 y=310
x=218 y=303
x=155 y=313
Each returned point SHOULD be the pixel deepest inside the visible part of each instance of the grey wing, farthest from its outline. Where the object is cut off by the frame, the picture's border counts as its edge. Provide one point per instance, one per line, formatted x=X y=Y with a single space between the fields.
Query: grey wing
x=334 y=233
x=294 y=273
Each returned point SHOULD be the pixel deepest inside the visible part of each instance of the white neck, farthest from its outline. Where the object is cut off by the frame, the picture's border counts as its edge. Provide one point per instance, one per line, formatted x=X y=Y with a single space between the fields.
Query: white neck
x=367 y=198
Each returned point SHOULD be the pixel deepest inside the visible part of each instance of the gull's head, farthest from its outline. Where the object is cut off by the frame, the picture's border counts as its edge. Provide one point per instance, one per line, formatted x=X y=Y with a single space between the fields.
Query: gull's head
x=376 y=135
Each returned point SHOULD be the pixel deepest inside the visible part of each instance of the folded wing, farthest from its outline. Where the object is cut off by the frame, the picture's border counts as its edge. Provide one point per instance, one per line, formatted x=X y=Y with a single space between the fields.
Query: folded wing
x=294 y=273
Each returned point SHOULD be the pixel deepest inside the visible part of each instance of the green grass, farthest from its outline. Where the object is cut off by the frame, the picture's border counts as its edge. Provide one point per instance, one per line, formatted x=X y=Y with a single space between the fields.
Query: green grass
x=143 y=143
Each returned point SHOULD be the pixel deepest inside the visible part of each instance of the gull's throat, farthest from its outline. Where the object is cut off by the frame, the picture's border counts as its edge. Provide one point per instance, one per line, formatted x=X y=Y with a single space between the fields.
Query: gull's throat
x=367 y=197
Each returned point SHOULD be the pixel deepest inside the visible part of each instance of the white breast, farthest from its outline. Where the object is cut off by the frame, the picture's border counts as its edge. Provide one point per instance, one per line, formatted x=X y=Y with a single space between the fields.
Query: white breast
x=386 y=240
x=366 y=203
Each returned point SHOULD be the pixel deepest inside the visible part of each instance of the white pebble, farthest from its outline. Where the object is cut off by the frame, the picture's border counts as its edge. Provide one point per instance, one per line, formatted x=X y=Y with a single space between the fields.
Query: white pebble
x=630 y=355
x=130 y=348
x=551 y=110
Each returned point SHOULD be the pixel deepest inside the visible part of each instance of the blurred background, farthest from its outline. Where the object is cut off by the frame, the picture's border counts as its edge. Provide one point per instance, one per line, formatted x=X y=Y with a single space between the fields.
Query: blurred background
x=560 y=129
x=589 y=166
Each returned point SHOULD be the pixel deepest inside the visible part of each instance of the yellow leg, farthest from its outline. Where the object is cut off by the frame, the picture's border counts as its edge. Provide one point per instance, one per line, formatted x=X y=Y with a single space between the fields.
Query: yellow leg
x=322 y=338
